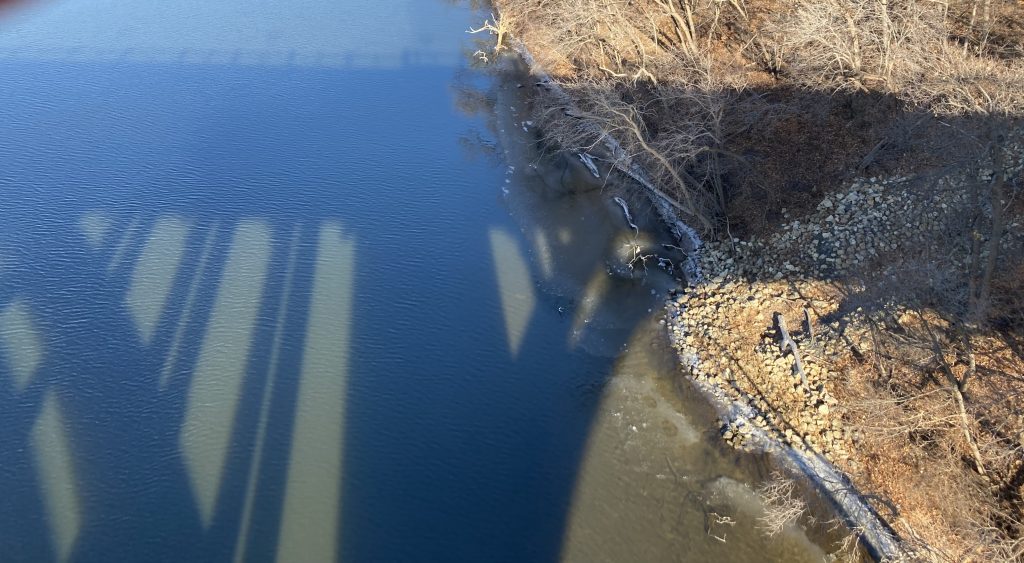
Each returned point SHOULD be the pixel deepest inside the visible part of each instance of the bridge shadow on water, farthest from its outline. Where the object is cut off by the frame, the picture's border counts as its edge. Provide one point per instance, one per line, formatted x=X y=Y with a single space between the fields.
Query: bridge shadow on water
x=277 y=331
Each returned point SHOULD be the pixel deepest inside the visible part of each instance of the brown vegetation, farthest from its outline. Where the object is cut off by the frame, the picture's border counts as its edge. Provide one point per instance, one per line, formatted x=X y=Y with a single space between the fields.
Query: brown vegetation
x=920 y=410
x=732 y=104
x=757 y=117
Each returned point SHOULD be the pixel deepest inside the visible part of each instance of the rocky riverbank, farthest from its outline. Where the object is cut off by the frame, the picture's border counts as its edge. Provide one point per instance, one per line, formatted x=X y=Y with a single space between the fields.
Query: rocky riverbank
x=796 y=331
x=733 y=322
x=860 y=308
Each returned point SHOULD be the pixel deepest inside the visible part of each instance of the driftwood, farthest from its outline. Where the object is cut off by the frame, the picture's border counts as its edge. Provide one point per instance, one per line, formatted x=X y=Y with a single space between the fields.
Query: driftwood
x=787 y=342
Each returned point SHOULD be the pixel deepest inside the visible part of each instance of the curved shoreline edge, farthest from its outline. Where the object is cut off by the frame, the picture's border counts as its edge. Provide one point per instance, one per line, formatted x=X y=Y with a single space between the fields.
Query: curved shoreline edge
x=835 y=486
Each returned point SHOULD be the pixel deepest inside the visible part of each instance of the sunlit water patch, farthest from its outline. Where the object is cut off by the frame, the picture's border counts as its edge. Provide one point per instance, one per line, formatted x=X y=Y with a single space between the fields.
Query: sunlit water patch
x=153 y=276
x=51 y=448
x=252 y=484
x=95 y=227
x=22 y=343
x=312 y=502
x=515 y=287
x=214 y=394
x=170 y=363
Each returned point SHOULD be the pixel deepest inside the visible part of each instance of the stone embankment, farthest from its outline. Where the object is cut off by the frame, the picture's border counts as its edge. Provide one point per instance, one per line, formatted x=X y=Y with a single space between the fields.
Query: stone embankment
x=730 y=322
x=781 y=325
x=728 y=325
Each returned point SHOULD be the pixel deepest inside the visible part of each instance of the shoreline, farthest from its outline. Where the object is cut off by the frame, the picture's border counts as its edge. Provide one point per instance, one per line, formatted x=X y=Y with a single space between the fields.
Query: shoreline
x=684 y=234
x=782 y=328
x=837 y=488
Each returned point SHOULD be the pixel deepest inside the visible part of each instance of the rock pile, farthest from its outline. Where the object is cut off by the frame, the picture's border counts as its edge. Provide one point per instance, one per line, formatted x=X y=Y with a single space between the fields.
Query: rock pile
x=724 y=330
x=754 y=371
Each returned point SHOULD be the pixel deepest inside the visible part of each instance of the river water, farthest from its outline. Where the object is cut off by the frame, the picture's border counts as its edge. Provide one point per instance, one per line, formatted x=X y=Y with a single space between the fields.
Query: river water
x=289 y=282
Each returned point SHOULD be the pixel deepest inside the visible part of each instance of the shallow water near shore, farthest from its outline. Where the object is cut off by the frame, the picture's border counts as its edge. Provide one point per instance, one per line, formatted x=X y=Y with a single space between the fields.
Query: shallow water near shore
x=295 y=285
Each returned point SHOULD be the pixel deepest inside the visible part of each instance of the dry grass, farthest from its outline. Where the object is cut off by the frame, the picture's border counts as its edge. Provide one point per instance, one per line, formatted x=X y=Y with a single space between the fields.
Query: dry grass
x=955 y=481
x=899 y=47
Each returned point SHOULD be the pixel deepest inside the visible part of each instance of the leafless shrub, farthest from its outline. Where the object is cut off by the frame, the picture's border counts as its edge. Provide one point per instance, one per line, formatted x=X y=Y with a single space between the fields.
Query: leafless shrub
x=903 y=47
x=782 y=506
